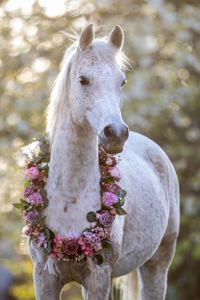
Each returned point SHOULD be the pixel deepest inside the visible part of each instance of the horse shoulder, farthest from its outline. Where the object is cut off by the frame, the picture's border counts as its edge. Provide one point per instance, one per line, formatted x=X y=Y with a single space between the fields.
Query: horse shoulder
x=158 y=160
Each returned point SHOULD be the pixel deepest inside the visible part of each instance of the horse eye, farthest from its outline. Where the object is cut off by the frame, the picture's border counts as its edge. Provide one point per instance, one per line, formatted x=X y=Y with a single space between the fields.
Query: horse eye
x=124 y=82
x=84 y=80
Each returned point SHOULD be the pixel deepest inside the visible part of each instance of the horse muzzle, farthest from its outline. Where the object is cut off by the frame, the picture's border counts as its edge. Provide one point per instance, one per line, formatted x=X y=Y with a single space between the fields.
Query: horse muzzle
x=113 y=137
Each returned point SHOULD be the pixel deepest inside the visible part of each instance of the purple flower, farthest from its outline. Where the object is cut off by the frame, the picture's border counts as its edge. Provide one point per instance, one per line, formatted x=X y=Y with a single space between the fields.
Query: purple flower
x=35 y=198
x=105 y=219
x=70 y=246
x=28 y=191
x=109 y=199
x=114 y=172
x=32 y=173
x=102 y=232
x=113 y=188
x=93 y=240
x=30 y=216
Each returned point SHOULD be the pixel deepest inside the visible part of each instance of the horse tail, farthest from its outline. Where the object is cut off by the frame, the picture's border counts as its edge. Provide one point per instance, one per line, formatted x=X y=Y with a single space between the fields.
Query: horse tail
x=126 y=287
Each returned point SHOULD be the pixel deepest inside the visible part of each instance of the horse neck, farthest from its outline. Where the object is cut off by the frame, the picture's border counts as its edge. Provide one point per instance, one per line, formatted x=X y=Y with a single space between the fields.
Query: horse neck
x=74 y=160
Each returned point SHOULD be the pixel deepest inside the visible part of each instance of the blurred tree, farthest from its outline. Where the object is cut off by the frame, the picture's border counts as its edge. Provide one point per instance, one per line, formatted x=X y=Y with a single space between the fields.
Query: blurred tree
x=161 y=101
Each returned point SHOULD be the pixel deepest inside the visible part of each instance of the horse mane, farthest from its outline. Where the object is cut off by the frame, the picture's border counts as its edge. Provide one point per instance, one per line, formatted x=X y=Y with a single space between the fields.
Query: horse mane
x=58 y=94
x=104 y=53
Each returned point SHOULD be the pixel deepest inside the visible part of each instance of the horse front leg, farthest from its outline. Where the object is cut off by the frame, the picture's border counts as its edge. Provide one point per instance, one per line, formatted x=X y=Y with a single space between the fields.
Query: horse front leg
x=97 y=285
x=47 y=286
x=47 y=279
x=153 y=274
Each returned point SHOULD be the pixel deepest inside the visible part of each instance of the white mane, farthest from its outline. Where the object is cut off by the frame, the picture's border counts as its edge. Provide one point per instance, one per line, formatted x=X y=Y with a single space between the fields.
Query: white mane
x=104 y=53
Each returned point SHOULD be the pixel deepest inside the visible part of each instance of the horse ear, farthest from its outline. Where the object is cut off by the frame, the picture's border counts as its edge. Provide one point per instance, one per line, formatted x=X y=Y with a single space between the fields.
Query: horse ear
x=87 y=37
x=116 y=37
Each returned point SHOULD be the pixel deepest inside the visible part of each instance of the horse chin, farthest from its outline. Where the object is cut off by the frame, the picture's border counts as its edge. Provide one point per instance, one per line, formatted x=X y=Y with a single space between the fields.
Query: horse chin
x=114 y=151
x=111 y=149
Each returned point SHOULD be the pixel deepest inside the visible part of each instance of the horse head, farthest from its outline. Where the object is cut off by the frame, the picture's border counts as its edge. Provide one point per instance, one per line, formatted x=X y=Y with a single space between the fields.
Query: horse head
x=96 y=82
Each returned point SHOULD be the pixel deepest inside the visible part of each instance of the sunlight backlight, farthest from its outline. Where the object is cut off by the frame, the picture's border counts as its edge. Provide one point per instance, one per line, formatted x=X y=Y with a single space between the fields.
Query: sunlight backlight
x=24 y=5
x=51 y=8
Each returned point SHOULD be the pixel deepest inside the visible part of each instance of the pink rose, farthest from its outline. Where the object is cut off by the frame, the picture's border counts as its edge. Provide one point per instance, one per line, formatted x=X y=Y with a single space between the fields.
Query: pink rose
x=88 y=251
x=86 y=246
x=70 y=246
x=114 y=172
x=35 y=198
x=111 y=161
x=32 y=173
x=27 y=230
x=58 y=239
x=109 y=199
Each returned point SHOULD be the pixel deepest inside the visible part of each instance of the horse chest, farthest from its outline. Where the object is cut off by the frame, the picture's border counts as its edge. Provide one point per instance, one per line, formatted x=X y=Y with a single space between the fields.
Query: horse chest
x=65 y=215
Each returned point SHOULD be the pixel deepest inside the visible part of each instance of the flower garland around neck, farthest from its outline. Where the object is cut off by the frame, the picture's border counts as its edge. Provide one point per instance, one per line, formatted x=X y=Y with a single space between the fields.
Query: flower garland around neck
x=93 y=240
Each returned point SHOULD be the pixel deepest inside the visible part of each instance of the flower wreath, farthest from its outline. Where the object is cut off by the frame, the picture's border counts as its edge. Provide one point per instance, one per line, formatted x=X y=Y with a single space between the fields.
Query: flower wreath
x=93 y=239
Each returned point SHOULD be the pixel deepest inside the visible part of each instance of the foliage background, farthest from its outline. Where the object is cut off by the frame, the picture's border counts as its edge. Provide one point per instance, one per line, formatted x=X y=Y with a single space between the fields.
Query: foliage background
x=162 y=101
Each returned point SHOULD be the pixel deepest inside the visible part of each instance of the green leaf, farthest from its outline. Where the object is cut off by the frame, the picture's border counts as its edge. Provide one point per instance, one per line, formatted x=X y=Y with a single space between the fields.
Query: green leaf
x=122 y=193
x=17 y=205
x=44 y=197
x=91 y=216
x=23 y=203
x=47 y=233
x=98 y=259
x=48 y=248
x=121 y=211
x=52 y=234
x=44 y=148
x=121 y=201
x=42 y=139
x=26 y=183
x=117 y=205
x=107 y=246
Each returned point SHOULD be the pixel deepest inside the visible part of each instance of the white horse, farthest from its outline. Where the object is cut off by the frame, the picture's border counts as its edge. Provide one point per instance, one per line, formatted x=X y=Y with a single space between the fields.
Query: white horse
x=85 y=109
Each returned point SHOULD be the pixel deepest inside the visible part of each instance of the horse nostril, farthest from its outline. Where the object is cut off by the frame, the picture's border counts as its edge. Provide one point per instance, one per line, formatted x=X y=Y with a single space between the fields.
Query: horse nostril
x=126 y=132
x=108 y=131
x=111 y=132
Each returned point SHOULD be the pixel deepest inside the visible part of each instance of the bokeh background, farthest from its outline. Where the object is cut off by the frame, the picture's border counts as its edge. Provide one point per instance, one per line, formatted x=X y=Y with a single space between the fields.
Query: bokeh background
x=161 y=100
